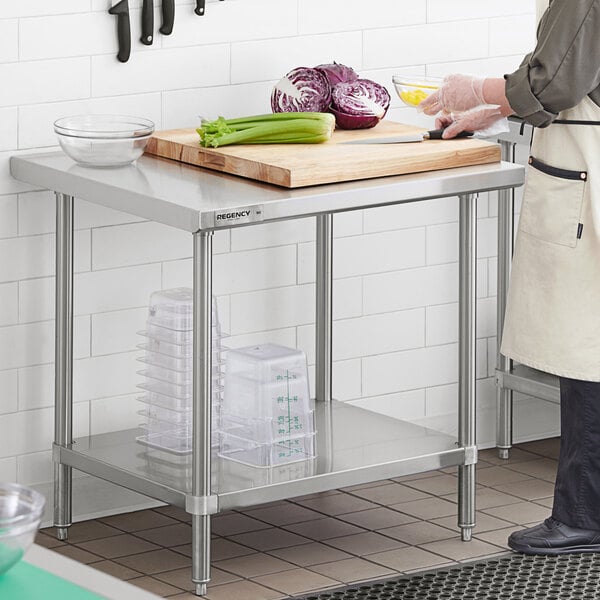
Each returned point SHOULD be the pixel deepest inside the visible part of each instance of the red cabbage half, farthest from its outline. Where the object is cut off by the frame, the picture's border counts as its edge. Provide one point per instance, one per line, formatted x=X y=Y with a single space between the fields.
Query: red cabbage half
x=360 y=98
x=346 y=121
x=301 y=90
x=337 y=73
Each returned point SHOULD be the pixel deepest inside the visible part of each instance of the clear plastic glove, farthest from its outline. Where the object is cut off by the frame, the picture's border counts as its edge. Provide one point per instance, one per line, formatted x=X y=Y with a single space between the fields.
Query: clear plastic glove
x=457 y=93
x=487 y=120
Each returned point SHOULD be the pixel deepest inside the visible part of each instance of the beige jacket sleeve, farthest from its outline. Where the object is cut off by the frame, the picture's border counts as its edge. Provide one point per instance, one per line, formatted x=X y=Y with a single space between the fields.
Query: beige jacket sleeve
x=564 y=66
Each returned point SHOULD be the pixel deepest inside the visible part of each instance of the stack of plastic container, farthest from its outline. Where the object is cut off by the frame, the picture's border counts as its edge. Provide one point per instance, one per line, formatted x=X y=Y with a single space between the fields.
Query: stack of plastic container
x=267 y=418
x=168 y=376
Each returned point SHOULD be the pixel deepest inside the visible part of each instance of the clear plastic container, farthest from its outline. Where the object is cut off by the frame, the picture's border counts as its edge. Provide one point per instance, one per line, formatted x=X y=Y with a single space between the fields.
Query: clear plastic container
x=182 y=418
x=181 y=393
x=164 y=388
x=171 y=336
x=248 y=398
x=269 y=430
x=179 y=404
x=173 y=441
x=184 y=339
x=249 y=452
x=179 y=350
x=174 y=309
x=168 y=377
x=266 y=363
x=185 y=363
x=179 y=378
x=249 y=476
x=173 y=438
x=174 y=350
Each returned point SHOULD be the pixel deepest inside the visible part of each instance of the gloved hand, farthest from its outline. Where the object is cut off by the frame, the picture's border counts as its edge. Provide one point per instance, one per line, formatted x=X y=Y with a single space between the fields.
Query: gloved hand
x=476 y=119
x=457 y=93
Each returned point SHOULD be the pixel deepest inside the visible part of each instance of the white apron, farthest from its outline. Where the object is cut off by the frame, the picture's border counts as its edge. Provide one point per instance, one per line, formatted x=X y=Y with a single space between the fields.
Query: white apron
x=553 y=309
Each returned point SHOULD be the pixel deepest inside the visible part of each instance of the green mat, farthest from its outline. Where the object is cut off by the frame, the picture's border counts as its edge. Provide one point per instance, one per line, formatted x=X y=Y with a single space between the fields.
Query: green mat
x=26 y=582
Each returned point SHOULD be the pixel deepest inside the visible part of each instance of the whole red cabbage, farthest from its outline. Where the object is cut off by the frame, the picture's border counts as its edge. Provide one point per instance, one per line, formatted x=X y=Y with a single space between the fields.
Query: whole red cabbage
x=302 y=90
x=361 y=97
x=337 y=73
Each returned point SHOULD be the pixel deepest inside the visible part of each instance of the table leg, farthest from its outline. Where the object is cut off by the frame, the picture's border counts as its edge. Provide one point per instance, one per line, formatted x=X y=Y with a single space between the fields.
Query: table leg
x=466 y=347
x=202 y=401
x=504 y=397
x=63 y=390
x=324 y=314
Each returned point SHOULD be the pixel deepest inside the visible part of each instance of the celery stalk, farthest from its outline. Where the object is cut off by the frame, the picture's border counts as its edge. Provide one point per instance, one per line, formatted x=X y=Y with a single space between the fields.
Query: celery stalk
x=277 y=128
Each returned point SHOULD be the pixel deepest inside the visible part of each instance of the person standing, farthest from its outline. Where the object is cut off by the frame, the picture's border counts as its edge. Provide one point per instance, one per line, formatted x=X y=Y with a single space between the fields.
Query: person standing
x=552 y=318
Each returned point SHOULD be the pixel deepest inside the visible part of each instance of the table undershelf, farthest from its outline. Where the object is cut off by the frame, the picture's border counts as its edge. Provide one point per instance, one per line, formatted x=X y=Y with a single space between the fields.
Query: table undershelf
x=354 y=446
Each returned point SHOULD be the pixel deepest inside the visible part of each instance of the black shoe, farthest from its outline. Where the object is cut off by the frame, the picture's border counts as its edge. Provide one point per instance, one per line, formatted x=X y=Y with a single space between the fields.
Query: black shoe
x=554 y=537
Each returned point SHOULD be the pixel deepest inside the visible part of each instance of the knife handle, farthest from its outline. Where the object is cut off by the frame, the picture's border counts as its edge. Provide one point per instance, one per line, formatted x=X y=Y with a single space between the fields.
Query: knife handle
x=168 y=16
x=147 y=23
x=121 y=10
x=436 y=134
x=200 y=5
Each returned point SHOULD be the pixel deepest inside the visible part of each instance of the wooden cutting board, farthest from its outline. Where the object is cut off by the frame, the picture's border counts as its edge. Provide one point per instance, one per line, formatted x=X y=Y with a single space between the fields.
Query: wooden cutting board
x=298 y=165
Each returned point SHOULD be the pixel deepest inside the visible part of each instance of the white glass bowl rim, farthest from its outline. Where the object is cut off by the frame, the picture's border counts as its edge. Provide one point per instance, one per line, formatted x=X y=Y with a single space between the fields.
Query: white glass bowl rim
x=104 y=127
x=416 y=81
x=28 y=502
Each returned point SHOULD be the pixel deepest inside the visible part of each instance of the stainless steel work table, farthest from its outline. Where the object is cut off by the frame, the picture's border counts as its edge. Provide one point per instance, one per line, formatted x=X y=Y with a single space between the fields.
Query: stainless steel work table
x=353 y=445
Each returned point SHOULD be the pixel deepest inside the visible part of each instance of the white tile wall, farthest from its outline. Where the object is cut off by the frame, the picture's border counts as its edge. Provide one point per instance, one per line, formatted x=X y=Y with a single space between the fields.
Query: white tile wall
x=9 y=40
x=8 y=216
x=8 y=128
x=8 y=391
x=44 y=81
x=396 y=274
x=9 y=301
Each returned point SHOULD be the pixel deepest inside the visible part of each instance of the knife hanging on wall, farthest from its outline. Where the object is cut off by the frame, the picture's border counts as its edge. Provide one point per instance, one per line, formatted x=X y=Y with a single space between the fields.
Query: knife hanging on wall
x=168 y=17
x=147 y=23
x=121 y=10
x=200 y=6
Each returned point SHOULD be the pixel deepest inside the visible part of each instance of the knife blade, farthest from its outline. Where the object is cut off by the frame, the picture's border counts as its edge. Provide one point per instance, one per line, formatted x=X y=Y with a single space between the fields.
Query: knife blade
x=121 y=10
x=434 y=134
x=168 y=17
x=147 y=23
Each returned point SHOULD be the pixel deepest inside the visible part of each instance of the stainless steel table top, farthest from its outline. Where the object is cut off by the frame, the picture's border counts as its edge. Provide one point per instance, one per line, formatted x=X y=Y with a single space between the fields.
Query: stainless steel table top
x=192 y=198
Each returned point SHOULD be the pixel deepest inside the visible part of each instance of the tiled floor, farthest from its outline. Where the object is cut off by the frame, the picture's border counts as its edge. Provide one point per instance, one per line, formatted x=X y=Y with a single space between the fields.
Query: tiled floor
x=323 y=540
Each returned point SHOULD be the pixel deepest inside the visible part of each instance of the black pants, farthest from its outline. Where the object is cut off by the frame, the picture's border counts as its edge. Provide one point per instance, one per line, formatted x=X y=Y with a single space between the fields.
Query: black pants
x=577 y=488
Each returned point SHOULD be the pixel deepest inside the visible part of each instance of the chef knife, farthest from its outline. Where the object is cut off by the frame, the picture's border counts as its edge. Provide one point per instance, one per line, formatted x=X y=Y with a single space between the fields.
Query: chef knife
x=200 y=5
x=168 y=16
x=147 y=23
x=435 y=134
x=121 y=10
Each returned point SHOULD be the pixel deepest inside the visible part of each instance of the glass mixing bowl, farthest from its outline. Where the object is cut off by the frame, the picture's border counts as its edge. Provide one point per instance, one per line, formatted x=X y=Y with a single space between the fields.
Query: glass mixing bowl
x=103 y=140
x=21 y=511
x=413 y=90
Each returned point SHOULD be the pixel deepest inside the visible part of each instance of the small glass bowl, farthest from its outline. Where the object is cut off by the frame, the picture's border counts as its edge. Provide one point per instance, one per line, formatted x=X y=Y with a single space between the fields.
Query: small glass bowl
x=103 y=140
x=21 y=511
x=413 y=90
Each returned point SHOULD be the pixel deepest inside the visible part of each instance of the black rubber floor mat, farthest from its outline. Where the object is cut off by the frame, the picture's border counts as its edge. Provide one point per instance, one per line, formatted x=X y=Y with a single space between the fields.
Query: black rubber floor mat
x=514 y=577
